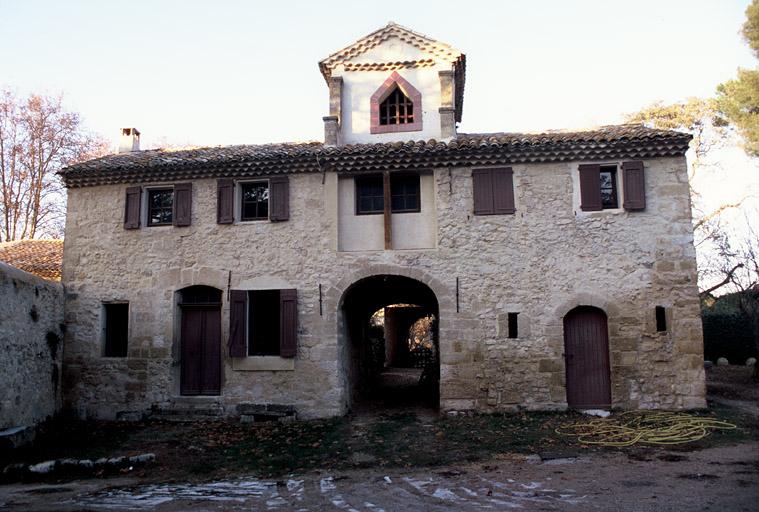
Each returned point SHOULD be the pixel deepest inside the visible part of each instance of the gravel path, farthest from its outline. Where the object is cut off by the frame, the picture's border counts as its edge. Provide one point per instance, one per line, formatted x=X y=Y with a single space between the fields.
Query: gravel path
x=723 y=478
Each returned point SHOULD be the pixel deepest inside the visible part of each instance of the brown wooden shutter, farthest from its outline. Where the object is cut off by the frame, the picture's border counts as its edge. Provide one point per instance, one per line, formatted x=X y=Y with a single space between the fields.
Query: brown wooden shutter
x=288 y=323
x=635 y=186
x=182 y=204
x=590 y=188
x=132 y=208
x=503 y=190
x=279 y=198
x=237 y=314
x=225 y=201
x=482 y=185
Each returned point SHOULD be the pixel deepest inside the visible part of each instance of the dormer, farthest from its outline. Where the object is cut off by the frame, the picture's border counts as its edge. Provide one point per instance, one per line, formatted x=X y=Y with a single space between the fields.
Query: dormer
x=393 y=85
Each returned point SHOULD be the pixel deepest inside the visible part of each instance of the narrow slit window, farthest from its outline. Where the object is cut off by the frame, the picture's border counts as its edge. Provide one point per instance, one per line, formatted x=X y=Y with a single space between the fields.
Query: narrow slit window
x=513 y=325
x=115 y=329
x=661 y=319
x=397 y=108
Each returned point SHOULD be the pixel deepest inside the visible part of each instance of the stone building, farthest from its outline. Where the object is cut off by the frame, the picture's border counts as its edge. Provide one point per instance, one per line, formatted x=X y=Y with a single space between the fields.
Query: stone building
x=507 y=270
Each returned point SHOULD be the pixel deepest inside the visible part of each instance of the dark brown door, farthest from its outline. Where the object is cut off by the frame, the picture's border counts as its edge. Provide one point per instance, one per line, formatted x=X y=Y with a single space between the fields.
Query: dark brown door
x=201 y=350
x=586 y=353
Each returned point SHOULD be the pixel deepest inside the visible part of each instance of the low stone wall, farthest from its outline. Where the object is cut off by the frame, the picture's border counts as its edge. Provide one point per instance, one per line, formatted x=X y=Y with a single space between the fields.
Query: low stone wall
x=31 y=344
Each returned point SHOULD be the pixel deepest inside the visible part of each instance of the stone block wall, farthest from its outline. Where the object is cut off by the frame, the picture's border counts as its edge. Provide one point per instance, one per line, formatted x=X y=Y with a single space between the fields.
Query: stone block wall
x=31 y=344
x=540 y=262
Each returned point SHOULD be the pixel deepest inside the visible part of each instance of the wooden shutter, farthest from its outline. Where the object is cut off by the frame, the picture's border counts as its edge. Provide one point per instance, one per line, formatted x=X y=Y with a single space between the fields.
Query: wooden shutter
x=482 y=190
x=132 y=208
x=279 y=198
x=237 y=314
x=635 y=186
x=503 y=190
x=288 y=323
x=225 y=201
x=590 y=188
x=182 y=204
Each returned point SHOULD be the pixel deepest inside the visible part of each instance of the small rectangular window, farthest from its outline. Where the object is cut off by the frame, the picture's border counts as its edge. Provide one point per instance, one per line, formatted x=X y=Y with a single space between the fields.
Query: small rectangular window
x=254 y=201
x=661 y=319
x=370 y=197
x=513 y=325
x=115 y=329
x=263 y=322
x=609 y=187
x=160 y=206
x=404 y=191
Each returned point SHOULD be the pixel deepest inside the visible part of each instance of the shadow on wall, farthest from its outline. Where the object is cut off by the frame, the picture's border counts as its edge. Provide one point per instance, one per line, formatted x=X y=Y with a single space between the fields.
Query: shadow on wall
x=31 y=335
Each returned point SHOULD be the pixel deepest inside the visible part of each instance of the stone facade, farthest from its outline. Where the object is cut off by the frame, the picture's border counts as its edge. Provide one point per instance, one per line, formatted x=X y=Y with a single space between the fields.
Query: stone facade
x=31 y=344
x=541 y=262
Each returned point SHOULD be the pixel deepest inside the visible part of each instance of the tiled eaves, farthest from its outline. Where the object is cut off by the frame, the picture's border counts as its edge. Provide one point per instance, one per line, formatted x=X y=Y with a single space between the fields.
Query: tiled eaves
x=608 y=143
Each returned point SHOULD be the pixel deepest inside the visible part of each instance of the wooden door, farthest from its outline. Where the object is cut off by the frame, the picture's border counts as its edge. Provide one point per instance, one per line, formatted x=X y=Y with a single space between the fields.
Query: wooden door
x=201 y=350
x=586 y=354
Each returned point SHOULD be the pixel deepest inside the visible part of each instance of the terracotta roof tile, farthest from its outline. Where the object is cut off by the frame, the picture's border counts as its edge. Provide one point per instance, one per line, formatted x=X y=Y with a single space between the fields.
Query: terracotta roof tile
x=605 y=143
x=39 y=257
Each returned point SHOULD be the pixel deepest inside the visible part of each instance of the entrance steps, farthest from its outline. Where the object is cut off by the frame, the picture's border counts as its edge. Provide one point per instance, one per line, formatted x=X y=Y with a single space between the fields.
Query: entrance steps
x=190 y=408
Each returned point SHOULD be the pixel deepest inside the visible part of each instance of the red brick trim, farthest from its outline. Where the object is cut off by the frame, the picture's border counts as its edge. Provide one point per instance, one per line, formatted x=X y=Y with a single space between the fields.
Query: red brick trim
x=380 y=94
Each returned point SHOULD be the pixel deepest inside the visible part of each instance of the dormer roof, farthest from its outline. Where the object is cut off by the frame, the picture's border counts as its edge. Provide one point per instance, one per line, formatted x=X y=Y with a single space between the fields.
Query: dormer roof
x=435 y=51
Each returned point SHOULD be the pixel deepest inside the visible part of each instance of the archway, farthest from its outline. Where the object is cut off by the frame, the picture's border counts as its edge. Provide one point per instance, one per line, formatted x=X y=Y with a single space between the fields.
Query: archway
x=586 y=352
x=390 y=356
x=200 y=340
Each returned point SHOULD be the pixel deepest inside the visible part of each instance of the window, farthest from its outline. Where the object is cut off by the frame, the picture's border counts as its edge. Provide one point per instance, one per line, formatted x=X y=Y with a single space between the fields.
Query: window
x=115 y=329
x=493 y=191
x=254 y=201
x=404 y=194
x=661 y=319
x=513 y=325
x=599 y=187
x=608 y=181
x=397 y=108
x=160 y=206
x=263 y=323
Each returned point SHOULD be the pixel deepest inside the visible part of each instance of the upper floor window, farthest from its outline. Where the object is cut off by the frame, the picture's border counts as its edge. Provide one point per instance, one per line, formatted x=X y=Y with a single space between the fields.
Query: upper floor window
x=608 y=182
x=600 y=186
x=404 y=194
x=396 y=106
x=254 y=201
x=396 y=109
x=160 y=206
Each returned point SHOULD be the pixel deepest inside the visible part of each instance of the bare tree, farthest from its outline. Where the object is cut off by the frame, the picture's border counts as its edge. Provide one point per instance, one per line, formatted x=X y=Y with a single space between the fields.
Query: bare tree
x=38 y=137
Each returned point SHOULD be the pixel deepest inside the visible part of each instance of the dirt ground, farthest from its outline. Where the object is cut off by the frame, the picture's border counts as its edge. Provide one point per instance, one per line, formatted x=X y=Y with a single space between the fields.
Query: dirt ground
x=402 y=461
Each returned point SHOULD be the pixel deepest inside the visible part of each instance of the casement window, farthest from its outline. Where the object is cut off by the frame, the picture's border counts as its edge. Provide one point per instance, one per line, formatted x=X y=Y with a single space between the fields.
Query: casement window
x=163 y=206
x=160 y=206
x=600 y=190
x=396 y=106
x=115 y=329
x=493 y=191
x=263 y=323
x=254 y=201
x=404 y=194
x=267 y=199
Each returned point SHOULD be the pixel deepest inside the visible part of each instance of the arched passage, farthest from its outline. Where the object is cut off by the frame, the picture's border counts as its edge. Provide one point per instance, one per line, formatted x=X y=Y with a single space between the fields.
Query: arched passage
x=200 y=340
x=586 y=352
x=390 y=353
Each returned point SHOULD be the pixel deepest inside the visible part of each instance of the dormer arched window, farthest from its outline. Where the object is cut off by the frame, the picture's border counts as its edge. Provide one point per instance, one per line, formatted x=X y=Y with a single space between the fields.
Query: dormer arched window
x=396 y=107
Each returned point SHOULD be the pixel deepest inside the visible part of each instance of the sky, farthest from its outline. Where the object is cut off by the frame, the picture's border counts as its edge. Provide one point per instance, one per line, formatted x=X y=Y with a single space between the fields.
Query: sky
x=234 y=72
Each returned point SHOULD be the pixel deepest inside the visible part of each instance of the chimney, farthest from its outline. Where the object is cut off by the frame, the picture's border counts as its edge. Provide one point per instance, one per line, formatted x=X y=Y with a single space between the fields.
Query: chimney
x=130 y=140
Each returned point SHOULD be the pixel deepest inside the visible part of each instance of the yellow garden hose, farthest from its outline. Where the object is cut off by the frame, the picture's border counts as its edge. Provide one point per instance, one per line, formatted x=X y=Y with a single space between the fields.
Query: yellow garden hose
x=629 y=428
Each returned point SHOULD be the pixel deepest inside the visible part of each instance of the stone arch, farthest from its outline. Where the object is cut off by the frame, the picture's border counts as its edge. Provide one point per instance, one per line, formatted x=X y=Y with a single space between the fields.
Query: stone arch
x=586 y=299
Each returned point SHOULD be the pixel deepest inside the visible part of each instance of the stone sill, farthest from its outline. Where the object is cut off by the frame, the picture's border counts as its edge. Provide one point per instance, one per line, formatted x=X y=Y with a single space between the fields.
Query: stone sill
x=262 y=364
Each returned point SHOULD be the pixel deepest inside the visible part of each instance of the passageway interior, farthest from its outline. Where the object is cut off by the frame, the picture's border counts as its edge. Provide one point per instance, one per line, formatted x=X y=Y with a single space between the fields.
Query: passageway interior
x=392 y=357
